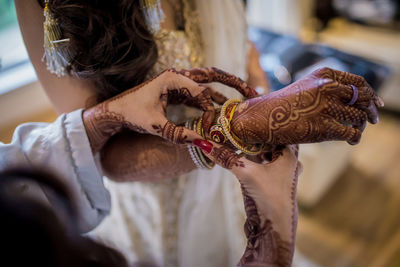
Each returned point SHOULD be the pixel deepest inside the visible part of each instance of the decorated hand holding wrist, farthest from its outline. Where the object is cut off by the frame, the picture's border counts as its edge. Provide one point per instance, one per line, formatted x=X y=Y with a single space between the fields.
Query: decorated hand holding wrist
x=143 y=108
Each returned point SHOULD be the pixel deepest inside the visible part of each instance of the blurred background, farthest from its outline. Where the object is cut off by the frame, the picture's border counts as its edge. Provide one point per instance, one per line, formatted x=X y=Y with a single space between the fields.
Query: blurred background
x=349 y=196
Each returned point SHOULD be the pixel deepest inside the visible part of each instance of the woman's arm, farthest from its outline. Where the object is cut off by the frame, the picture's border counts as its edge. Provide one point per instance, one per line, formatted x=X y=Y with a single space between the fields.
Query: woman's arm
x=140 y=157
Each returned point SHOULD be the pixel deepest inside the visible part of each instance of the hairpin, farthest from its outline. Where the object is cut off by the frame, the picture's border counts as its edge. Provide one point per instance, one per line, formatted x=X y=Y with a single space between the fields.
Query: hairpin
x=153 y=14
x=56 y=53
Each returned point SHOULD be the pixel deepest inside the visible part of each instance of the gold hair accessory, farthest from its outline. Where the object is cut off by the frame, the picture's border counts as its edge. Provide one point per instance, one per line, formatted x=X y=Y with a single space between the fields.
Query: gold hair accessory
x=225 y=121
x=56 y=53
x=153 y=14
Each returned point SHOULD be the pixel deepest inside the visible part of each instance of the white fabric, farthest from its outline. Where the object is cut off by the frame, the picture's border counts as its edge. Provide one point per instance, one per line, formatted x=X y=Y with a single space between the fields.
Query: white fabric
x=62 y=148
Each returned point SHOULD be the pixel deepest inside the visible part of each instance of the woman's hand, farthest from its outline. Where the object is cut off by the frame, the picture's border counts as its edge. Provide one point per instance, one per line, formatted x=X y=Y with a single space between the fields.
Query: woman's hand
x=269 y=193
x=314 y=109
x=142 y=108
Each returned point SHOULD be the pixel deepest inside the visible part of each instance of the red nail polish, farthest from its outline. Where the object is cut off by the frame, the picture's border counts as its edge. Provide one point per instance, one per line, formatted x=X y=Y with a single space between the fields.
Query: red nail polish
x=254 y=91
x=204 y=145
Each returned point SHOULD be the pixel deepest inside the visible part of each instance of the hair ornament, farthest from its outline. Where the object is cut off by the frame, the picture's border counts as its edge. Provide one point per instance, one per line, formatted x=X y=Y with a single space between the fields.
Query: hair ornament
x=153 y=14
x=56 y=53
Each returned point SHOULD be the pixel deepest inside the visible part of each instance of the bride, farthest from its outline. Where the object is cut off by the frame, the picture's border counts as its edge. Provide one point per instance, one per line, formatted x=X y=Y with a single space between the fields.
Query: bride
x=197 y=218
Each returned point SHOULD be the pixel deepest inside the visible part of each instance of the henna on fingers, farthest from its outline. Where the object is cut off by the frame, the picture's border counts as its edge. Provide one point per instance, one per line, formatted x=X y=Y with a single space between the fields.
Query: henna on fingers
x=313 y=109
x=101 y=124
x=217 y=97
x=150 y=99
x=208 y=75
x=171 y=132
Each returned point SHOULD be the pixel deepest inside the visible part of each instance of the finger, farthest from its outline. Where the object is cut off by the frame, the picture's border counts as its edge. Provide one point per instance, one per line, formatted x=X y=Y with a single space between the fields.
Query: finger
x=361 y=127
x=372 y=112
x=365 y=99
x=173 y=133
x=222 y=156
x=379 y=102
x=338 y=131
x=182 y=90
x=347 y=114
x=347 y=95
x=208 y=75
x=340 y=76
x=217 y=97
x=206 y=104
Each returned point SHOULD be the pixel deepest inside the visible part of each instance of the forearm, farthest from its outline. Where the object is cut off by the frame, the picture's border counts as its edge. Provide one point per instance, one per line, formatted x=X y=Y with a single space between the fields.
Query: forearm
x=138 y=157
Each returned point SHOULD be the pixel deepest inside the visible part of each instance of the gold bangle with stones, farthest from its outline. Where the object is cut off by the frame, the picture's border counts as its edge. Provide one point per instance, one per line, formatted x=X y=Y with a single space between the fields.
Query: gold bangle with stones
x=235 y=141
x=217 y=133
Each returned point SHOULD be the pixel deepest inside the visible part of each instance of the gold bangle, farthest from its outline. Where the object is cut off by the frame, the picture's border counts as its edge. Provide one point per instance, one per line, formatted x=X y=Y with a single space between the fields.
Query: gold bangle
x=227 y=131
x=199 y=128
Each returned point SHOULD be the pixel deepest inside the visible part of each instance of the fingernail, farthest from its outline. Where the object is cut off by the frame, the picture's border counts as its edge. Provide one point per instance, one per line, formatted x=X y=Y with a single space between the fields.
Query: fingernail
x=204 y=145
x=380 y=103
x=254 y=91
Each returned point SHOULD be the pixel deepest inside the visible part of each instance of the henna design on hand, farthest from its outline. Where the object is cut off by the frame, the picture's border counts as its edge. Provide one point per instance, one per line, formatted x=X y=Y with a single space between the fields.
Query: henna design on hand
x=226 y=158
x=208 y=75
x=264 y=244
x=310 y=110
x=271 y=221
x=202 y=100
x=101 y=124
x=171 y=132
x=130 y=157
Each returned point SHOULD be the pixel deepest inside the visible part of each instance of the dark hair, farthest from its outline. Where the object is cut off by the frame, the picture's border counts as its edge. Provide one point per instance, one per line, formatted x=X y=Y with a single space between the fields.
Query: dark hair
x=113 y=47
x=34 y=235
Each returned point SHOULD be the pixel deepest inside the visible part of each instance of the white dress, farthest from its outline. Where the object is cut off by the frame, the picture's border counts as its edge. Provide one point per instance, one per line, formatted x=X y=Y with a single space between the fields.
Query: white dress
x=196 y=219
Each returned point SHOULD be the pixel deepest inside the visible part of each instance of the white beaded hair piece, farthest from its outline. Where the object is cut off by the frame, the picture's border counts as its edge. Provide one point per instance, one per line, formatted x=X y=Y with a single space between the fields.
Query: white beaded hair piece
x=153 y=14
x=57 y=53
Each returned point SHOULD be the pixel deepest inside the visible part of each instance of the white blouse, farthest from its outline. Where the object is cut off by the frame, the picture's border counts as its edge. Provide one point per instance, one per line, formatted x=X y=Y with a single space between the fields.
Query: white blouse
x=62 y=148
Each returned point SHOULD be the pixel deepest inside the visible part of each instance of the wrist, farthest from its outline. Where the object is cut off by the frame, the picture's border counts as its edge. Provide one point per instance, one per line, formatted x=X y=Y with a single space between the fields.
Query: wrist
x=222 y=133
x=101 y=124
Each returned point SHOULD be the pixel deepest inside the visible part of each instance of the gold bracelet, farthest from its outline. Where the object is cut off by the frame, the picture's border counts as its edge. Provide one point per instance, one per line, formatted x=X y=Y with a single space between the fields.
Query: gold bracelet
x=236 y=142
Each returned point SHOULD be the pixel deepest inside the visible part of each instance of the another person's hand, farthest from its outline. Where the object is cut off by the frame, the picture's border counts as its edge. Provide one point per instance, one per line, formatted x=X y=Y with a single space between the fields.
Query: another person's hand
x=256 y=78
x=269 y=193
x=326 y=105
x=142 y=108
